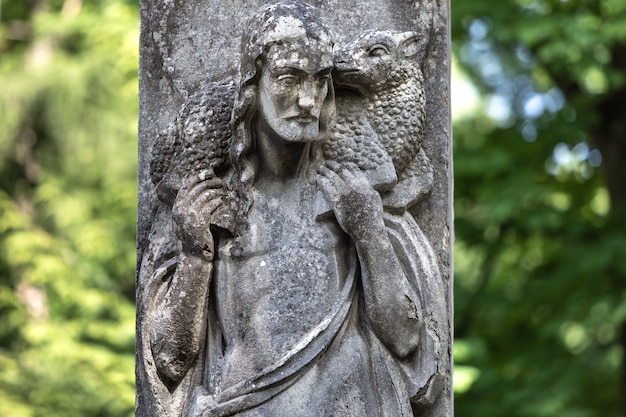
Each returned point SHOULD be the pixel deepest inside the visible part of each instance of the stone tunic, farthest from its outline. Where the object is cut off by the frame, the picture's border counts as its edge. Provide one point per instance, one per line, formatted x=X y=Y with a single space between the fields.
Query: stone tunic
x=275 y=285
x=285 y=313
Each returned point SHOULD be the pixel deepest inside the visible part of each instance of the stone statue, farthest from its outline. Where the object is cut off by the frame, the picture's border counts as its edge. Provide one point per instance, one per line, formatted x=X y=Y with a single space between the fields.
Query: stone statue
x=284 y=273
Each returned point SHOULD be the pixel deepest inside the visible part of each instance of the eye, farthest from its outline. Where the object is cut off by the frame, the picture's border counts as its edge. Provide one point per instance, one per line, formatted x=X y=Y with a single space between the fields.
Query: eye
x=288 y=80
x=378 y=50
x=323 y=78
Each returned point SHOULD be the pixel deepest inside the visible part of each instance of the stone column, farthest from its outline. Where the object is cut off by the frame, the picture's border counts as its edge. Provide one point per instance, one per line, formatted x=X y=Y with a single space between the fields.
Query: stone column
x=295 y=230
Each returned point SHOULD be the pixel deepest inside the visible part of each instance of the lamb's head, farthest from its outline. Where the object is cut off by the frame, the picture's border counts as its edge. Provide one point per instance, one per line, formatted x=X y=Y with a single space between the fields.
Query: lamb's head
x=378 y=60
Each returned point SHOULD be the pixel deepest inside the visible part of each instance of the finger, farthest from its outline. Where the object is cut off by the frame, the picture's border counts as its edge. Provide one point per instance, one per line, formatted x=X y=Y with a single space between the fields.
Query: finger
x=347 y=174
x=198 y=191
x=207 y=202
x=201 y=204
x=347 y=171
x=329 y=173
x=334 y=165
x=210 y=185
x=213 y=183
x=188 y=194
x=327 y=185
x=203 y=178
x=194 y=183
x=354 y=175
x=322 y=181
x=210 y=206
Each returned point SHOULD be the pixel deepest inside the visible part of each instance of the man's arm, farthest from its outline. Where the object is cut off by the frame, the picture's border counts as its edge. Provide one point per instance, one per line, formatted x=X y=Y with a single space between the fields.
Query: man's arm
x=390 y=302
x=178 y=330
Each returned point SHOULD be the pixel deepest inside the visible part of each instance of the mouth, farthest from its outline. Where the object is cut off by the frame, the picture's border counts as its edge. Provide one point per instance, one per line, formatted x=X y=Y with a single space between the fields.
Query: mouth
x=304 y=119
x=347 y=71
x=344 y=67
x=343 y=76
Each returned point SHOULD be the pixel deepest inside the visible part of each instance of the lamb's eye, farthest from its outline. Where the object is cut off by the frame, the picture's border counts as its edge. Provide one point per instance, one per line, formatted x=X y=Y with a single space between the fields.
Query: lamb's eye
x=378 y=50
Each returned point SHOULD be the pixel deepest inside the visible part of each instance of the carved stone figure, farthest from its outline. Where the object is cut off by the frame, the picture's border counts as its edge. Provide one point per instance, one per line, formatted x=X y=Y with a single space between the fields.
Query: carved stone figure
x=384 y=67
x=284 y=273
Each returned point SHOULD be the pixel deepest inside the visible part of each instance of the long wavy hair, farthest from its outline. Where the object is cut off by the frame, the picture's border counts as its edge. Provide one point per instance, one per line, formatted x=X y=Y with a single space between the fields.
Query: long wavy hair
x=264 y=32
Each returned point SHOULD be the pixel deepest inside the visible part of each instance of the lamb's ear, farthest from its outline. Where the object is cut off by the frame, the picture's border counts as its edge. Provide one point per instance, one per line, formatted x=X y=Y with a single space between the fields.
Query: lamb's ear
x=410 y=44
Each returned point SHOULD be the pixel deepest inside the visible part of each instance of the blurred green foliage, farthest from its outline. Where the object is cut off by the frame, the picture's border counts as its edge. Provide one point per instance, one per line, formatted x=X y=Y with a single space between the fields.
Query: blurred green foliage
x=68 y=117
x=540 y=190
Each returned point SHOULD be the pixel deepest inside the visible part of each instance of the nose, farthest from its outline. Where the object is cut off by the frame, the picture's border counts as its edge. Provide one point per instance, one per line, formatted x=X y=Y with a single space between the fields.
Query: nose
x=306 y=95
x=340 y=58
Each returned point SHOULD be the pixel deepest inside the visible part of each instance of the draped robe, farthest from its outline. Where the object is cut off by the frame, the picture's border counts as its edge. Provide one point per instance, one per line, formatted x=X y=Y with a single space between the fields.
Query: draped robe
x=333 y=363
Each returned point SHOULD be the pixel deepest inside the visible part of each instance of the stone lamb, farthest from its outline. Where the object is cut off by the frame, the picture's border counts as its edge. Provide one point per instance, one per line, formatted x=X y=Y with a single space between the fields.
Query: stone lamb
x=194 y=149
x=384 y=68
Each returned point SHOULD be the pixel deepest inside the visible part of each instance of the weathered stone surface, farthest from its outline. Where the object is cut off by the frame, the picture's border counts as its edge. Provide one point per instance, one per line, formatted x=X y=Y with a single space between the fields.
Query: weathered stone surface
x=294 y=221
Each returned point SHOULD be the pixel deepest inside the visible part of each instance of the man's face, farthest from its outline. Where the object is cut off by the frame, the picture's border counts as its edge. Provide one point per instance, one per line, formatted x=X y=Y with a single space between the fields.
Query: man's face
x=293 y=87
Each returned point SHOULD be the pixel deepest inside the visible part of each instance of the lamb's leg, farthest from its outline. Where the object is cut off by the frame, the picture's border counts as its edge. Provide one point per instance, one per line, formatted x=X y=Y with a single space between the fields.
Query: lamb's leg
x=414 y=184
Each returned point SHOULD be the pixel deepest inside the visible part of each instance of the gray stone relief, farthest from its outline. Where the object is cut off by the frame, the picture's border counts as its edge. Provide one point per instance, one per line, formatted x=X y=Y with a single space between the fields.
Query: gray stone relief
x=293 y=234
